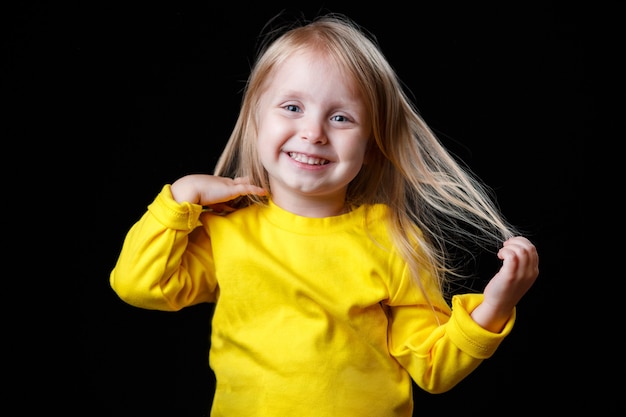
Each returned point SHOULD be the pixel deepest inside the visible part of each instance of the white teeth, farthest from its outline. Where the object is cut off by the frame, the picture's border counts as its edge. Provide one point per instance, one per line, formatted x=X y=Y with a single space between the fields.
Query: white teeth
x=307 y=159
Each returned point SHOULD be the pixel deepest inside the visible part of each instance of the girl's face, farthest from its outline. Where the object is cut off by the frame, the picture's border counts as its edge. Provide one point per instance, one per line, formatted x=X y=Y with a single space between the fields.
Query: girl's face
x=313 y=132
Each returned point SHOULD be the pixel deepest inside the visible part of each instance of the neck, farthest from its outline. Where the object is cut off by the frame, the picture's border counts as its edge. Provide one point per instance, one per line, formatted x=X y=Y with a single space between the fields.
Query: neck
x=312 y=207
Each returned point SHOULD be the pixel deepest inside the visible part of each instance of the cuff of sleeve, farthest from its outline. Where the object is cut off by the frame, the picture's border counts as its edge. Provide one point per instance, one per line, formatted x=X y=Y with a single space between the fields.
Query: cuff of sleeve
x=467 y=334
x=178 y=216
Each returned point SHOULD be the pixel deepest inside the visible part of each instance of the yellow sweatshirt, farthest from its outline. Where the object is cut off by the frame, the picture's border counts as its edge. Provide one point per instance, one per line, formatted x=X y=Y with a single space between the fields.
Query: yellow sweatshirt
x=313 y=316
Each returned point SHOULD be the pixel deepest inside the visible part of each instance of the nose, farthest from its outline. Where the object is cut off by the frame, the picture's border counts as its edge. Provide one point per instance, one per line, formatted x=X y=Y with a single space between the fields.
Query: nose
x=313 y=132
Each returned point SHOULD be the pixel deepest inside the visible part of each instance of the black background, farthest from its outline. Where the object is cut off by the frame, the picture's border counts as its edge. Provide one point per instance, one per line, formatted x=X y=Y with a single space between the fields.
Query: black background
x=154 y=91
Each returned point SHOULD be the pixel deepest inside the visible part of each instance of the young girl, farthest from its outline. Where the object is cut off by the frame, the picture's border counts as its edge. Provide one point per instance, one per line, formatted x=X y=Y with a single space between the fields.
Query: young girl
x=325 y=239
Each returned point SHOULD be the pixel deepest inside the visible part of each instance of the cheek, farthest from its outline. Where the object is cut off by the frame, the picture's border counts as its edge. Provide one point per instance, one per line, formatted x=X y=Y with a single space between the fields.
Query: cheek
x=370 y=149
x=269 y=142
x=266 y=138
x=359 y=150
x=273 y=133
x=264 y=134
x=354 y=157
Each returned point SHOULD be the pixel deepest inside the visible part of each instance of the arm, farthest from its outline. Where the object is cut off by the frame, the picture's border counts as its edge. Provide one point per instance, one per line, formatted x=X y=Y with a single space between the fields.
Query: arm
x=441 y=346
x=166 y=259
x=212 y=191
x=520 y=268
x=439 y=350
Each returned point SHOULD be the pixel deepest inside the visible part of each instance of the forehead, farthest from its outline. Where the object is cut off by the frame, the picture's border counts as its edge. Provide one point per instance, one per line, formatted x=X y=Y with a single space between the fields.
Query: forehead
x=312 y=65
x=310 y=57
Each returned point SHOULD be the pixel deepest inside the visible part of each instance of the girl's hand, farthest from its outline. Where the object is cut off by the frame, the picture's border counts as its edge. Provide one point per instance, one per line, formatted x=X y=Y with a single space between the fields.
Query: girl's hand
x=211 y=190
x=520 y=268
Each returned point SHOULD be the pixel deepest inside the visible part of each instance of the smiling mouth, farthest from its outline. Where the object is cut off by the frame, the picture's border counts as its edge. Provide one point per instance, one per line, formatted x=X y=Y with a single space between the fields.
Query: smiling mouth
x=307 y=159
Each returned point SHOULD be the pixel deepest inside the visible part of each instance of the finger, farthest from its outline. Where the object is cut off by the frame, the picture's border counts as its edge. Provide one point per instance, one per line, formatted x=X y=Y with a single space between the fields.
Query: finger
x=248 y=188
x=519 y=246
x=219 y=208
x=517 y=240
x=508 y=268
x=242 y=180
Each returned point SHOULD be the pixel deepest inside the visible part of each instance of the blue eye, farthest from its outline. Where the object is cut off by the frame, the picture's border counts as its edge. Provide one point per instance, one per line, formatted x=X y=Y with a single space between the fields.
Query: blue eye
x=339 y=118
x=292 y=107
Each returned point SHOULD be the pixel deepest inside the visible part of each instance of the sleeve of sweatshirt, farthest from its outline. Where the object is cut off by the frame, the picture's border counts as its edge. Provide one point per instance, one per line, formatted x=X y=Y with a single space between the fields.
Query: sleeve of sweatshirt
x=440 y=345
x=166 y=259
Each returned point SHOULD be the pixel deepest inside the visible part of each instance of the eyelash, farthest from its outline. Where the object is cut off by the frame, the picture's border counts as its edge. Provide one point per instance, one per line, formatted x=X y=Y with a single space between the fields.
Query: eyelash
x=292 y=107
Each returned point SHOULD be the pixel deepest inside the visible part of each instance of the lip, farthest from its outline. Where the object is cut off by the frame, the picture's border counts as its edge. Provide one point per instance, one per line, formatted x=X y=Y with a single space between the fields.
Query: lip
x=307 y=160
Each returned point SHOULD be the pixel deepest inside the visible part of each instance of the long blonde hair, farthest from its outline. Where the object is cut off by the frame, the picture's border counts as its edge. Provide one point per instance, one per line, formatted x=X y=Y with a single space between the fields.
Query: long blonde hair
x=436 y=203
